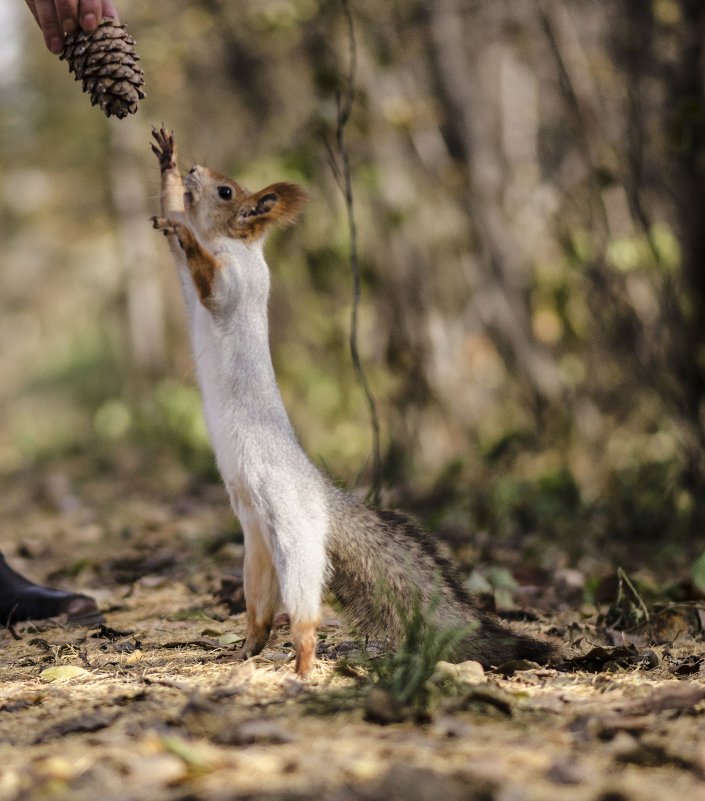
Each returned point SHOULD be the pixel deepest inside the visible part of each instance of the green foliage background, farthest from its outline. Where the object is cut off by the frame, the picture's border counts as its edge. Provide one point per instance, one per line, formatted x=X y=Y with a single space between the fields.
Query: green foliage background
x=529 y=186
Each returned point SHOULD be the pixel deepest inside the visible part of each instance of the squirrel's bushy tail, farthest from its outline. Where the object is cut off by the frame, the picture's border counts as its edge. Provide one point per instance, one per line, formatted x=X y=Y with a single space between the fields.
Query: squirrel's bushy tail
x=382 y=564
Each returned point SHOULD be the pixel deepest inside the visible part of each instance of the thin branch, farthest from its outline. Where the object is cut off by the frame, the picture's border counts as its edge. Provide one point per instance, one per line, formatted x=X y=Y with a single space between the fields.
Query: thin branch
x=333 y=164
x=343 y=175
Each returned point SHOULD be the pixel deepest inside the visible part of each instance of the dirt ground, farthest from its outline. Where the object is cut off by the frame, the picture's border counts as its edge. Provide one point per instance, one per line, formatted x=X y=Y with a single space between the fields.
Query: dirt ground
x=144 y=704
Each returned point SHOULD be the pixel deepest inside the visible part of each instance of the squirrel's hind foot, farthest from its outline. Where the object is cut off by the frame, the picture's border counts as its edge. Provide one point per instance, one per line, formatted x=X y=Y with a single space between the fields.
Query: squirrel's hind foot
x=303 y=633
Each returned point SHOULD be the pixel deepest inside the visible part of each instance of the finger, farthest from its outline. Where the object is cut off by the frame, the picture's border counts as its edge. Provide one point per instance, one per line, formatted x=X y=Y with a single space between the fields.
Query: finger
x=86 y=14
x=109 y=10
x=44 y=12
x=67 y=13
x=30 y=4
x=90 y=14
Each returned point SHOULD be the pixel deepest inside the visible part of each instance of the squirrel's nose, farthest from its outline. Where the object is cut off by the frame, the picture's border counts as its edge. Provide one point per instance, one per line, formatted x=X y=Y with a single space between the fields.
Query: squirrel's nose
x=192 y=170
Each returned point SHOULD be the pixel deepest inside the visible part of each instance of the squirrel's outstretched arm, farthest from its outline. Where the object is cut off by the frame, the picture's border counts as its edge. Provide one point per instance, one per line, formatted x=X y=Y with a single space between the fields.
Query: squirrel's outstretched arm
x=172 y=194
x=172 y=204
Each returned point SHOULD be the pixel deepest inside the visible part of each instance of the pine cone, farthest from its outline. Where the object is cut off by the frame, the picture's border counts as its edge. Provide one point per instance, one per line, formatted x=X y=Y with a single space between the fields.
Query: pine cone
x=106 y=61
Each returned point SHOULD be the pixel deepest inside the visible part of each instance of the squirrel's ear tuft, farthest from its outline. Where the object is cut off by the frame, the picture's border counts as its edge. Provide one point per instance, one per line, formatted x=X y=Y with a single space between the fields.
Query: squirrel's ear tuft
x=279 y=203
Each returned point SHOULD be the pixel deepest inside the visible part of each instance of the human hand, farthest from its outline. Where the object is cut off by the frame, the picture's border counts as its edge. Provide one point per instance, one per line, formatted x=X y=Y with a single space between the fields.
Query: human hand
x=57 y=17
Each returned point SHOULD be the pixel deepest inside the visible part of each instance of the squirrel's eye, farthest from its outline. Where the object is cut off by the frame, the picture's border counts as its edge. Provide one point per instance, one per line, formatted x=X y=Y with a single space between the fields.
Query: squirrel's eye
x=225 y=192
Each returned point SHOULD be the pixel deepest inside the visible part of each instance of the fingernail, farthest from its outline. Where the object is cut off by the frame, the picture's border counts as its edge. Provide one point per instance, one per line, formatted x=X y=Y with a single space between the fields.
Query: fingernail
x=56 y=45
x=69 y=25
x=89 y=22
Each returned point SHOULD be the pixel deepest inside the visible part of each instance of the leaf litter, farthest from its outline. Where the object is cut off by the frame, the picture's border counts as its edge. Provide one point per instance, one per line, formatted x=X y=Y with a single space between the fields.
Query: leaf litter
x=147 y=702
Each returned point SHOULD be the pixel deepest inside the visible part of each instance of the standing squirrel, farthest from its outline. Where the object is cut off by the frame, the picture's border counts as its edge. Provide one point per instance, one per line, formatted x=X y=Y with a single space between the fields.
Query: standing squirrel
x=301 y=532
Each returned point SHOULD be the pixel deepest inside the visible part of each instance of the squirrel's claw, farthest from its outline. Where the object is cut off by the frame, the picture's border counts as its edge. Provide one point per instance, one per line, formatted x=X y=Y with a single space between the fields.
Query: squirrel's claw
x=165 y=148
x=163 y=225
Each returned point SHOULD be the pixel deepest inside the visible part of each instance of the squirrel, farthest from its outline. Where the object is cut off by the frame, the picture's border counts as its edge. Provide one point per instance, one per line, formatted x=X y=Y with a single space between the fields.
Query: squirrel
x=301 y=532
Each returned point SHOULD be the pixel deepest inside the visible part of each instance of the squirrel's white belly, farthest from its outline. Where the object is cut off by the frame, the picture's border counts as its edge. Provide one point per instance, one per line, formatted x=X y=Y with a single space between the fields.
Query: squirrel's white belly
x=279 y=496
x=257 y=453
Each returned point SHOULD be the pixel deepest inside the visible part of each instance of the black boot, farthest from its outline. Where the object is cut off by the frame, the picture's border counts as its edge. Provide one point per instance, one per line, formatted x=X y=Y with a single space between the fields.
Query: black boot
x=20 y=599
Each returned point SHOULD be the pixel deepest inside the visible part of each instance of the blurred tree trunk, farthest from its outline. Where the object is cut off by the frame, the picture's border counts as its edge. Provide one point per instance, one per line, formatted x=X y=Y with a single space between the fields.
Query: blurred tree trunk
x=479 y=115
x=665 y=67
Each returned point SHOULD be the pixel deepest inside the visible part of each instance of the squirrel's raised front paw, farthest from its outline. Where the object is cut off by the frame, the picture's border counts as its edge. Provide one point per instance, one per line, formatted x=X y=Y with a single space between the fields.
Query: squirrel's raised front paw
x=165 y=148
x=162 y=224
x=166 y=226
x=178 y=229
